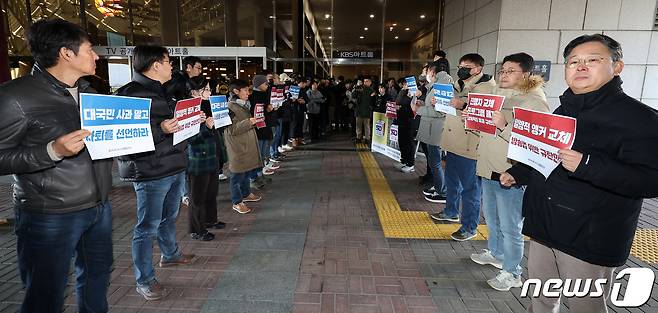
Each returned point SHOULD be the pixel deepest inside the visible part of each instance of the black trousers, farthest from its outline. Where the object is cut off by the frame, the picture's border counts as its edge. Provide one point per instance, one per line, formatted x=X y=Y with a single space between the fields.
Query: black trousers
x=406 y=141
x=314 y=125
x=203 y=201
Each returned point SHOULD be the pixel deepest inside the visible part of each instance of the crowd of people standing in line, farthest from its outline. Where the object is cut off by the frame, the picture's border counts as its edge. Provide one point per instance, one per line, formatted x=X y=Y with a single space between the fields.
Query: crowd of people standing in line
x=581 y=219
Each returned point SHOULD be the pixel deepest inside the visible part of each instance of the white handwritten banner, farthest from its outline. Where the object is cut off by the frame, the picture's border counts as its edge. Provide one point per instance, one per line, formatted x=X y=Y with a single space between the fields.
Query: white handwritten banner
x=219 y=108
x=187 y=114
x=480 y=111
x=118 y=125
x=537 y=137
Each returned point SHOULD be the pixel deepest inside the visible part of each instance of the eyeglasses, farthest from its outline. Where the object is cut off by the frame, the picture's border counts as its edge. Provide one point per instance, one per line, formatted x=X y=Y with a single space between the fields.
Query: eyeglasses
x=508 y=72
x=589 y=61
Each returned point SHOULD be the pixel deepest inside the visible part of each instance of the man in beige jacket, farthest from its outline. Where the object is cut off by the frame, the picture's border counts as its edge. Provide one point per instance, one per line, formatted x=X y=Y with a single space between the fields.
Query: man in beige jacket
x=463 y=186
x=502 y=205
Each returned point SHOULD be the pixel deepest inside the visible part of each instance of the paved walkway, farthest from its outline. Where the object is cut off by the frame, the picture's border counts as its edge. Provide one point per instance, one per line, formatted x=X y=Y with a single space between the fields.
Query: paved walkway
x=314 y=244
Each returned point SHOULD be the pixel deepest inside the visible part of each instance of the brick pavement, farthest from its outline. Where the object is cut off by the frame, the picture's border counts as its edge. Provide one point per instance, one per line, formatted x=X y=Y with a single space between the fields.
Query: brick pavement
x=314 y=244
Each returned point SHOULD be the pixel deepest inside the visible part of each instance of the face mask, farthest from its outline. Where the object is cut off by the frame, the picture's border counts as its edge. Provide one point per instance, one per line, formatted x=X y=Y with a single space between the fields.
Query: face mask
x=464 y=73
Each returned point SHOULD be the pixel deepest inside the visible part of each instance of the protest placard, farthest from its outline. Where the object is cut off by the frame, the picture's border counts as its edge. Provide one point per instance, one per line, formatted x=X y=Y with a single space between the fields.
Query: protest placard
x=537 y=137
x=443 y=93
x=118 y=125
x=391 y=110
x=259 y=114
x=411 y=84
x=219 y=108
x=480 y=111
x=294 y=92
x=187 y=113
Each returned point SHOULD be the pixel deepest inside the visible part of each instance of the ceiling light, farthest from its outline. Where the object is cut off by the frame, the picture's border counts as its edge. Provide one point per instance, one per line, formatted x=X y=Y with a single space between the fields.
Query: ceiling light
x=241 y=71
x=328 y=28
x=396 y=37
x=271 y=16
x=372 y=16
x=390 y=29
x=326 y=16
x=330 y=37
x=395 y=24
x=361 y=37
x=365 y=28
x=422 y=16
x=406 y=28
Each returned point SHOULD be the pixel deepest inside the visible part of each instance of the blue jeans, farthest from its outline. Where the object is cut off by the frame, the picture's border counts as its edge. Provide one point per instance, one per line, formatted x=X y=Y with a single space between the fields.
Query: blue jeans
x=264 y=148
x=463 y=187
x=239 y=186
x=274 y=152
x=434 y=162
x=158 y=202
x=502 y=212
x=45 y=245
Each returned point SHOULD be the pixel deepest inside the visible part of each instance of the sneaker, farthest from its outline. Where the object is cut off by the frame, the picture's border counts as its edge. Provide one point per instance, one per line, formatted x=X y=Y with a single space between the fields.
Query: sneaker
x=281 y=150
x=255 y=185
x=183 y=260
x=407 y=169
x=272 y=166
x=504 y=281
x=462 y=235
x=241 y=208
x=287 y=148
x=216 y=225
x=485 y=258
x=222 y=177
x=207 y=236
x=153 y=291
x=252 y=198
x=441 y=216
x=186 y=200
x=267 y=171
x=274 y=160
x=429 y=191
x=436 y=198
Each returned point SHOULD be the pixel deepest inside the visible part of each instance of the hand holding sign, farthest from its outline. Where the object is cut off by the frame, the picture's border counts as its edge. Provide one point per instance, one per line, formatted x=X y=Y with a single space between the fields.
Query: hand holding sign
x=499 y=120
x=507 y=180
x=170 y=126
x=71 y=143
x=570 y=159
x=210 y=122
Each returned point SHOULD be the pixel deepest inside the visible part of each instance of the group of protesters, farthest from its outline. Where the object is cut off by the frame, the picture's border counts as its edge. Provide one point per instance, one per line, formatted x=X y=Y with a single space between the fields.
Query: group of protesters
x=581 y=219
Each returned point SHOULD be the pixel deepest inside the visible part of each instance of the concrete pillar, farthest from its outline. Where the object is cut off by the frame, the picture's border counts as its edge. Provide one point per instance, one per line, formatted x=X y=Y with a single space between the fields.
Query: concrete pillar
x=297 y=32
x=259 y=27
x=170 y=22
x=231 y=23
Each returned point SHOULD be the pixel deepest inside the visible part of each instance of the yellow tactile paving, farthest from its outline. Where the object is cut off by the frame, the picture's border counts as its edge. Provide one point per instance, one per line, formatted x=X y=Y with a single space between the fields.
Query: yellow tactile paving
x=645 y=245
x=395 y=222
x=418 y=225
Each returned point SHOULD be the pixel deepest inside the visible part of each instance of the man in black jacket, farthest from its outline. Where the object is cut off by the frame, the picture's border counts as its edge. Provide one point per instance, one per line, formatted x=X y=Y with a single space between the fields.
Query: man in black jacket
x=582 y=219
x=158 y=176
x=60 y=194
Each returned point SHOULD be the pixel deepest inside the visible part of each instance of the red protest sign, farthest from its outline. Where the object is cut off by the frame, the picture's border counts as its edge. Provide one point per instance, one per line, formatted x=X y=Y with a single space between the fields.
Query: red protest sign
x=259 y=114
x=537 y=138
x=391 y=110
x=480 y=109
x=187 y=113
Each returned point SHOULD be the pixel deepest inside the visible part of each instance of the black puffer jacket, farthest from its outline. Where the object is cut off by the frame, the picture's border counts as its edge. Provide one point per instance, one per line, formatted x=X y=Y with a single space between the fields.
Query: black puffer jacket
x=37 y=109
x=167 y=159
x=592 y=213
